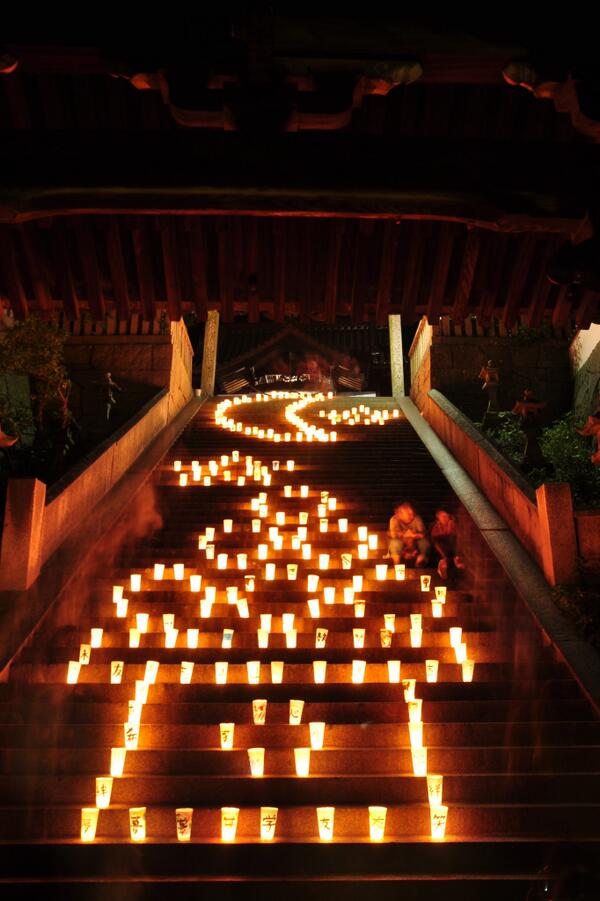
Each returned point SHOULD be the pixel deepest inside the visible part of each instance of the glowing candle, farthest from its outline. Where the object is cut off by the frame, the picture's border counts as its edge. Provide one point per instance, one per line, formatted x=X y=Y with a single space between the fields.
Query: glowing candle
x=290 y=465
x=415 y=731
x=455 y=636
x=270 y=572
x=333 y=436
x=151 y=671
x=137 y=823
x=414 y=710
x=195 y=583
x=229 y=821
x=363 y=551
x=381 y=572
x=177 y=465
x=393 y=667
x=319 y=671
x=358 y=671
x=342 y=525
x=400 y=570
x=117 y=761
x=276 y=672
x=431 y=670
x=206 y=481
x=249 y=583
x=228 y=525
x=227 y=638
x=358 y=636
x=141 y=621
x=348 y=595
x=241 y=480
x=325 y=820
x=221 y=667
x=134 y=638
x=256 y=757
x=323 y=561
x=437 y=609
x=226 y=731
x=303 y=490
x=377 y=817
x=438 y=817
x=419 y=761
x=159 y=571
x=186 y=672
x=435 y=787
x=132 y=734
x=205 y=607
x=253 y=671
x=312 y=582
x=222 y=561
x=89 y=823
x=329 y=594
x=314 y=607
x=168 y=621
x=425 y=583
x=409 y=689
x=135 y=581
x=460 y=651
x=183 y=479
x=295 y=712
x=73 y=672
x=292 y=571
x=359 y=609
x=372 y=542
x=287 y=490
x=302 y=760
x=117 y=593
x=183 y=823
x=117 y=668
x=263 y=550
x=440 y=593
x=468 y=667
x=323 y=525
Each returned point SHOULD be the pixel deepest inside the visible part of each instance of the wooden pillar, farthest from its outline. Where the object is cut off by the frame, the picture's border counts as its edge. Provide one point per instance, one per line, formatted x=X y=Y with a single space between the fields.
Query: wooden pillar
x=22 y=534
x=557 y=532
x=209 y=356
x=396 y=356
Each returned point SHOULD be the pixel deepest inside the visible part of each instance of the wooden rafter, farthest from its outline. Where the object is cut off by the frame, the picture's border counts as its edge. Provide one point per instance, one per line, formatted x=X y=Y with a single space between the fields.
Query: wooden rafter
x=199 y=266
x=439 y=280
x=466 y=275
x=336 y=236
x=118 y=272
x=91 y=273
x=172 y=285
x=520 y=271
x=387 y=268
x=144 y=268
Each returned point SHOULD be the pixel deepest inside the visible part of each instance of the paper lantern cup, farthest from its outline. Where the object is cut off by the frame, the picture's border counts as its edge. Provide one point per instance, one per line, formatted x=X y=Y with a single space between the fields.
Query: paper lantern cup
x=358 y=637
x=414 y=710
x=400 y=571
x=372 y=544
x=195 y=583
x=323 y=561
x=416 y=638
x=385 y=638
x=221 y=667
x=268 y=823
x=425 y=583
x=73 y=671
x=317 y=733
x=137 y=824
x=89 y=823
x=329 y=594
x=134 y=638
x=210 y=533
x=440 y=593
x=377 y=816
x=291 y=638
x=135 y=582
x=270 y=572
x=117 y=761
x=249 y=583
x=192 y=638
x=295 y=712
x=222 y=561
x=363 y=551
x=438 y=817
x=168 y=621
x=226 y=733
x=325 y=822
x=229 y=821
x=415 y=731
x=96 y=638
x=460 y=652
x=319 y=671
x=431 y=670
x=357 y=583
x=117 y=668
x=358 y=671
x=312 y=582
x=171 y=638
x=468 y=667
x=177 y=465
x=117 y=593
x=346 y=559
x=437 y=609
x=141 y=691
x=253 y=671
x=314 y=608
x=359 y=609
x=419 y=761
x=409 y=689
x=455 y=636
x=381 y=572
x=363 y=533
x=302 y=761
x=227 y=526
x=435 y=788
x=394 y=667
x=178 y=572
x=104 y=786
x=259 y=711
x=263 y=638
x=342 y=525
x=277 y=671
x=287 y=622
x=256 y=756
x=186 y=672
x=151 y=671
x=389 y=621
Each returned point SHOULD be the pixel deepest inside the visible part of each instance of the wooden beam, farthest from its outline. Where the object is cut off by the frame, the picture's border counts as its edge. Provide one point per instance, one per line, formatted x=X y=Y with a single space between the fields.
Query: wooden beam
x=493 y=265
x=64 y=272
x=279 y=272
x=412 y=272
x=11 y=277
x=199 y=264
x=336 y=236
x=118 y=273
x=172 y=284
x=540 y=292
x=86 y=245
x=224 y=268
x=466 y=275
x=35 y=267
x=387 y=268
x=144 y=268
x=439 y=279
x=518 y=280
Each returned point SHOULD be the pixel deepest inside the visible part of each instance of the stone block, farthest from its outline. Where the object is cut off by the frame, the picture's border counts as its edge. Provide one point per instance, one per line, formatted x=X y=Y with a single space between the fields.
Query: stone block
x=162 y=355
x=21 y=549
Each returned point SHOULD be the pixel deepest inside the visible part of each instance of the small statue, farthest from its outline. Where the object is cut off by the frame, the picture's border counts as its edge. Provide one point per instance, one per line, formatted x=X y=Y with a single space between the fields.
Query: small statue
x=109 y=387
x=491 y=380
x=529 y=409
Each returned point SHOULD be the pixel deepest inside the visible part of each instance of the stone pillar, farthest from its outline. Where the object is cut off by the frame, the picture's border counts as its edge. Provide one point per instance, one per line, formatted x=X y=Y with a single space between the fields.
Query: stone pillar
x=209 y=356
x=557 y=532
x=22 y=534
x=396 y=356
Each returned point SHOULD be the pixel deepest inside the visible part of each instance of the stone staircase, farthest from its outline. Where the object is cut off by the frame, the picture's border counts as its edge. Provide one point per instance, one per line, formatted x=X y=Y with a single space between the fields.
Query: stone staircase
x=518 y=747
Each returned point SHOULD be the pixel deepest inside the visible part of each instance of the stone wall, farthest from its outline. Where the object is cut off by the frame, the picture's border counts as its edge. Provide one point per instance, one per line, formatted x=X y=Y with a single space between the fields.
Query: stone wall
x=585 y=357
x=452 y=364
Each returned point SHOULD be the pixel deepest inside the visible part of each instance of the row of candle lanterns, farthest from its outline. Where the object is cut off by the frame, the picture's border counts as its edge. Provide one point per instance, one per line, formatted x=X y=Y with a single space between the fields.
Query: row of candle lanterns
x=377 y=817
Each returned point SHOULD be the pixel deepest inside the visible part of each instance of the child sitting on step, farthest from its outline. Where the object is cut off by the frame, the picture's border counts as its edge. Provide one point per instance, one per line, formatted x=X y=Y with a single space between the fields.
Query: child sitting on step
x=443 y=536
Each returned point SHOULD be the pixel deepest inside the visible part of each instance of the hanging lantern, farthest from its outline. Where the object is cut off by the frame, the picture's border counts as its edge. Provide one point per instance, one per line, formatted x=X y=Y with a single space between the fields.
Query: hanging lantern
x=377 y=817
x=276 y=672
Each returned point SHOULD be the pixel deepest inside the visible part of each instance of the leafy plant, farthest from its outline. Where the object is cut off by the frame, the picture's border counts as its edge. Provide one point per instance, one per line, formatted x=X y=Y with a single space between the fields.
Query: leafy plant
x=507 y=436
x=528 y=335
x=580 y=606
x=568 y=456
